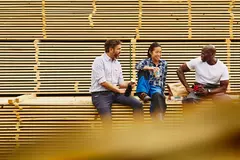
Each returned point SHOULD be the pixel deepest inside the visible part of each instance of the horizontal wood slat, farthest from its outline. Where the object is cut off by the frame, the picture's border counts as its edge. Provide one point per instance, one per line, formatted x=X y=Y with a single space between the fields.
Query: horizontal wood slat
x=63 y=67
x=28 y=19
x=48 y=46
x=41 y=118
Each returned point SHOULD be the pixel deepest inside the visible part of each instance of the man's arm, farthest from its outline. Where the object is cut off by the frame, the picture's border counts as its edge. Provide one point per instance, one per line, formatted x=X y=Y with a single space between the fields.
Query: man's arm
x=111 y=87
x=180 y=72
x=222 y=88
x=224 y=81
x=99 y=74
x=123 y=84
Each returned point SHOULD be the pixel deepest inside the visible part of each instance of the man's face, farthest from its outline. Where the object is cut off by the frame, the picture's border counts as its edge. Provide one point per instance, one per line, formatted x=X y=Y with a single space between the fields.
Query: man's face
x=116 y=51
x=206 y=55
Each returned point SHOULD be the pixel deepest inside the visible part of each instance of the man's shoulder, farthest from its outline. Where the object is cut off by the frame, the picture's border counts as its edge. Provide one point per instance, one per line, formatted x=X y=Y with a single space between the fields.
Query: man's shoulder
x=196 y=61
x=98 y=58
x=221 y=64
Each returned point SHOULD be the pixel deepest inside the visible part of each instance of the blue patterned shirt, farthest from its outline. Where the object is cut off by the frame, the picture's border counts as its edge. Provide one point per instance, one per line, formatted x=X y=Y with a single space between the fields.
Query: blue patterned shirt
x=152 y=79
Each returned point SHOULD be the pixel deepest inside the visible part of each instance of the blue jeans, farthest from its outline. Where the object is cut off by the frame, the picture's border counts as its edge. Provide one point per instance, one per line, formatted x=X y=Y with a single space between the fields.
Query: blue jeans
x=155 y=92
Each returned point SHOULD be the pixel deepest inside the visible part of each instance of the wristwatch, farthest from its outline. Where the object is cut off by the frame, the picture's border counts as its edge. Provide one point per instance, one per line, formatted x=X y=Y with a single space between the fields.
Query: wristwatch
x=209 y=90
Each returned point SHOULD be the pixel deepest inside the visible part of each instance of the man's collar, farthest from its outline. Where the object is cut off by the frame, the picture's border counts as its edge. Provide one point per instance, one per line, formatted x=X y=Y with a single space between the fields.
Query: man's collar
x=107 y=57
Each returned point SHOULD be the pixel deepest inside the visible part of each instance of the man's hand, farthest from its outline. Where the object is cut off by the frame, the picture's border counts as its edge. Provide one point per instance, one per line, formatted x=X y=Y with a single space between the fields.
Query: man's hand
x=189 y=89
x=133 y=84
x=121 y=91
x=202 y=91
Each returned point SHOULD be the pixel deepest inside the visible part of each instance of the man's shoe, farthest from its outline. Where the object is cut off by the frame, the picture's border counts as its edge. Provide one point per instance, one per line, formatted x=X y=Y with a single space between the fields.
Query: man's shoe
x=144 y=97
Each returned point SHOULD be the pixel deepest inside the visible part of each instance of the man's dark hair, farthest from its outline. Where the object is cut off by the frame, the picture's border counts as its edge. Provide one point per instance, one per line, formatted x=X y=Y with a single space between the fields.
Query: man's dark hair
x=111 y=43
x=151 y=48
x=210 y=49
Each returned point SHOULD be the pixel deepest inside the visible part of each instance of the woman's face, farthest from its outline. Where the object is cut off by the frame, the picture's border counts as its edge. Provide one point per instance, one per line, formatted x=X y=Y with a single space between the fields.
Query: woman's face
x=156 y=53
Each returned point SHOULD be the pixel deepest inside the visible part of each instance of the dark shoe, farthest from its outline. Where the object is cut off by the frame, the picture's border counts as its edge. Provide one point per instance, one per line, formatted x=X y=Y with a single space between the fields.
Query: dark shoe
x=144 y=97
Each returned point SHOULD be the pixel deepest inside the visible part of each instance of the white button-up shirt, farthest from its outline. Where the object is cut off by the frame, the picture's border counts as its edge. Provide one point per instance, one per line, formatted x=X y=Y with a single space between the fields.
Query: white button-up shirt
x=104 y=69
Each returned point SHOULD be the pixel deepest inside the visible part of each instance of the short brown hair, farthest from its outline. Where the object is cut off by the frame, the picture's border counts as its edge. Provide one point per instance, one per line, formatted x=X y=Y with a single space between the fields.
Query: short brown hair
x=111 y=43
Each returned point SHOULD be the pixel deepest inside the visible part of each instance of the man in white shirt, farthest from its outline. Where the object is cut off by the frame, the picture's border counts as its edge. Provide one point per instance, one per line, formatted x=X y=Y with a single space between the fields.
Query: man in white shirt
x=108 y=85
x=211 y=74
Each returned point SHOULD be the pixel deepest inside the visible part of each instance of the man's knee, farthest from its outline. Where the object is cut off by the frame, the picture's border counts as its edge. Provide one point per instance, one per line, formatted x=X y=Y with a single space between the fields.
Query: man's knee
x=102 y=108
x=138 y=105
x=191 y=98
x=103 y=111
x=221 y=98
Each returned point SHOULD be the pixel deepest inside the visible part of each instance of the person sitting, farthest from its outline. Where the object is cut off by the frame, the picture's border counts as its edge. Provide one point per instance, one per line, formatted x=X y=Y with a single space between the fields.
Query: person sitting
x=212 y=77
x=151 y=81
x=108 y=85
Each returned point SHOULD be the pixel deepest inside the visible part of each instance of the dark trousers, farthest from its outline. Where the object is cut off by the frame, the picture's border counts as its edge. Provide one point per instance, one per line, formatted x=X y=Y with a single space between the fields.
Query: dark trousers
x=103 y=103
x=193 y=97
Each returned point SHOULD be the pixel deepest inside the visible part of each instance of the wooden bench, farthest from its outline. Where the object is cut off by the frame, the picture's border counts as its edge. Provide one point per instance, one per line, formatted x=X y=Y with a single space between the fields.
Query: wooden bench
x=28 y=119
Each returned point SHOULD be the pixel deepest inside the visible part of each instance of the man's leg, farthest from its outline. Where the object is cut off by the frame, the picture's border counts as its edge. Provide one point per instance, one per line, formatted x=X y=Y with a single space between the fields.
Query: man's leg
x=143 y=86
x=132 y=102
x=103 y=101
x=221 y=98
x=158 y=105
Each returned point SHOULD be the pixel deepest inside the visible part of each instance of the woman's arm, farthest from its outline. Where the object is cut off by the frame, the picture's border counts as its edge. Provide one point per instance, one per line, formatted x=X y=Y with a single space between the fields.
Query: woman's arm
x=143 y=65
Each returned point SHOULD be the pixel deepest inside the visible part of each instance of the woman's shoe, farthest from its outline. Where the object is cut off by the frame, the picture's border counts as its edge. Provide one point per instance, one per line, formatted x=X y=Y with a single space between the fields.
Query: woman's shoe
x=144 y=97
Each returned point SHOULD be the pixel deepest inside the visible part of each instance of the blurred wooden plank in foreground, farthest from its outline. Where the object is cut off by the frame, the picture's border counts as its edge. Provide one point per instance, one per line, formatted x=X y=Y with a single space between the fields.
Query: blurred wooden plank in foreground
x=212 y=134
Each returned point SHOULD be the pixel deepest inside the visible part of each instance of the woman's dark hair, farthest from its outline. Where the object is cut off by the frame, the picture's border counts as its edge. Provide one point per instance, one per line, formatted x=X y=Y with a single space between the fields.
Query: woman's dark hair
x=111 y=43
x=151 y=48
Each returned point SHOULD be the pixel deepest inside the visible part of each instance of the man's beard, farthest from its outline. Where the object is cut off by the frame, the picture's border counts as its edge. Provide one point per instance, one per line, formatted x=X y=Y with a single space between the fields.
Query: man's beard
x=116 y=56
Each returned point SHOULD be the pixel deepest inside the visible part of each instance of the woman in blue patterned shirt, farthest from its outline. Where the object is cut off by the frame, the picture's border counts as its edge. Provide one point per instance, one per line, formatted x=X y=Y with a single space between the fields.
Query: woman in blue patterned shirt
x=151 y=81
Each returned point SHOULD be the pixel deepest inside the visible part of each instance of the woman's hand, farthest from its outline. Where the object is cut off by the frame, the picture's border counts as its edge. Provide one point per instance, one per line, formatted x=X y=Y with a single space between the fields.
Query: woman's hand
x=151 y=68
x=155 y=69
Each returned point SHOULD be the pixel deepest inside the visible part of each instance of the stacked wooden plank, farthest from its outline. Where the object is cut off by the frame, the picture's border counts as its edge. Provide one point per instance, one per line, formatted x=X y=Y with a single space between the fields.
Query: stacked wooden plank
x=20 y=19
x=61 y=67
x=65 y=67
x=27 y=119
x=17 y=61
x=189 y=19
x=91 y=19
x=47 y=47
